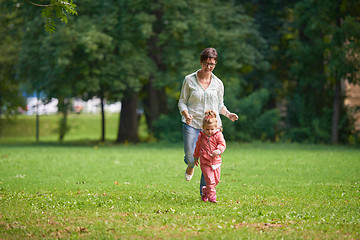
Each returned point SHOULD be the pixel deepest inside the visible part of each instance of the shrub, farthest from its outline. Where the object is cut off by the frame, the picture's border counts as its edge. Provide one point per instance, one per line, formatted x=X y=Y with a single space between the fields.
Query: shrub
x=168 y=128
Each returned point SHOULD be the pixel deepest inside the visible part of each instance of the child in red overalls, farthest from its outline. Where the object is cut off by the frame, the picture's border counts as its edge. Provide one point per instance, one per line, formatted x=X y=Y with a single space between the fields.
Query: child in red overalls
x=209 y=147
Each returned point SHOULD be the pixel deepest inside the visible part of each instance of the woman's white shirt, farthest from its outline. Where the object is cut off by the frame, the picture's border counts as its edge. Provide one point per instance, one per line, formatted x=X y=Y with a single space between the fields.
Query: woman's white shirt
x=197 y=100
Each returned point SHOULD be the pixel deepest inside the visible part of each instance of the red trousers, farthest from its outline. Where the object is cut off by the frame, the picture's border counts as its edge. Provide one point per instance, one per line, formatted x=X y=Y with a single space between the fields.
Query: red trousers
x=212 y=178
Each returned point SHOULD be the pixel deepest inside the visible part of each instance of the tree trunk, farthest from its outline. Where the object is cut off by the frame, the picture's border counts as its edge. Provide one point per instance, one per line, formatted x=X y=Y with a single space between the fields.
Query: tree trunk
x=102 y=117
x=129 y=120
x=37 y=117
x=63 y=106
x=1 y=127
x=336 y=113
x=151 y=104
x=337 y=92
x=163 y=101
x=155 y=101
x=37 y=125
x=155 y=104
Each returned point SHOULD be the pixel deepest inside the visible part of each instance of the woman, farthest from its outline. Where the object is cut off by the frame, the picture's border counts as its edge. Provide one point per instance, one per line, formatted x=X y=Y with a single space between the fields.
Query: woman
x=200 y=91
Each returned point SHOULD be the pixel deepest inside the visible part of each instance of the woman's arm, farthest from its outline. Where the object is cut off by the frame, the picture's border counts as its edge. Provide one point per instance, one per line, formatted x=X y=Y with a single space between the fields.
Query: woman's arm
x=232 y=116
x=223 y=110
x=183 y=99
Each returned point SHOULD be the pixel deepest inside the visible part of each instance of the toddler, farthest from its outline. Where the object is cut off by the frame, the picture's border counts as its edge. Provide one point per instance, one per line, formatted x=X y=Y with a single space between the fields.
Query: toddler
x=209 y=147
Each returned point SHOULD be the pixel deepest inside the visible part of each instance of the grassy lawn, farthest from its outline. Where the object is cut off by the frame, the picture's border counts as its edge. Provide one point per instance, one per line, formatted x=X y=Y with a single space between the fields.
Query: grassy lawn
x=80 y=189
x=138 y=191
x=83 y=127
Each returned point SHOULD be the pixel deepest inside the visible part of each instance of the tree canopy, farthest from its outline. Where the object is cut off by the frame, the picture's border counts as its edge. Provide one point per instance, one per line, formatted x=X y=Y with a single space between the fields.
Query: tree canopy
x=53 y=10
x=276 y=59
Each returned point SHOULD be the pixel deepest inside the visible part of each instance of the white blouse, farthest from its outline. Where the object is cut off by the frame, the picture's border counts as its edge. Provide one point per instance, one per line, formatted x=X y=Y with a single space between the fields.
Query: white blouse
x=196 y=100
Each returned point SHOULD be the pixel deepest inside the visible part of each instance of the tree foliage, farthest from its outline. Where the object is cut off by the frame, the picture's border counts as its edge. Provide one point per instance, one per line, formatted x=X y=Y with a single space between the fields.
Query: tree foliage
x=11 y=98
x=183 y=29
x=328 y=34
x=138 y=52
x=55 y=9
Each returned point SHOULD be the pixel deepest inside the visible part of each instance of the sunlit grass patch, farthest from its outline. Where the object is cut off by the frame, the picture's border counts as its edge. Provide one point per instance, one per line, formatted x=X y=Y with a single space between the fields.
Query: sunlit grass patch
x=138 y=191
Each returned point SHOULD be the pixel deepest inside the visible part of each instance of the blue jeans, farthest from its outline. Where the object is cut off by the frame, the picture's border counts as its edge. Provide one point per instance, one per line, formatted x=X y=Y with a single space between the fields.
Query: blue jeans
x=190 y=136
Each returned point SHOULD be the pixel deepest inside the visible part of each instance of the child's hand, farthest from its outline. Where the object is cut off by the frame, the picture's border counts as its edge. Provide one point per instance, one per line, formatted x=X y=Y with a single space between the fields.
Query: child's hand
x=216 y=153
x=196 y=161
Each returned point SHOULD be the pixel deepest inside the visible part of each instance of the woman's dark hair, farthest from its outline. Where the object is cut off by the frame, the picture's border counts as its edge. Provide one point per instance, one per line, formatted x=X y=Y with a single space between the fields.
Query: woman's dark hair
x=208 y=53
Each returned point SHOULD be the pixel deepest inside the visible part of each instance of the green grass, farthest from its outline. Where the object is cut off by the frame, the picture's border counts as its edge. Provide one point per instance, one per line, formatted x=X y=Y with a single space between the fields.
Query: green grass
x=267 y=191
x=81 y=127
x=83 y=189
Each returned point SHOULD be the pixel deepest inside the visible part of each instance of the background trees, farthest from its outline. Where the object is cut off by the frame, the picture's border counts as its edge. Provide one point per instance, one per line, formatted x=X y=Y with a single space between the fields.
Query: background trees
x=275 y=59
x=328 y=34
x=10 y=92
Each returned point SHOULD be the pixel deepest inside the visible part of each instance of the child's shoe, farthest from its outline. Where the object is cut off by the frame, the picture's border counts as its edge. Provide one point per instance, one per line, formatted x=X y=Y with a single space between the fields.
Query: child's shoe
x=213 y=199
x=203 y=195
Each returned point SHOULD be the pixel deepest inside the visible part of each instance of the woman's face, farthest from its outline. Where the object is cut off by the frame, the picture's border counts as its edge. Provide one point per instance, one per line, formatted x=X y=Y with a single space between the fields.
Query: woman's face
x=208 y=65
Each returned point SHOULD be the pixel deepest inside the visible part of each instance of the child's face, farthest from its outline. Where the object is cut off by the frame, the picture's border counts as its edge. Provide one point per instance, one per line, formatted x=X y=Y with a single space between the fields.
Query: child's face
x=210 y=129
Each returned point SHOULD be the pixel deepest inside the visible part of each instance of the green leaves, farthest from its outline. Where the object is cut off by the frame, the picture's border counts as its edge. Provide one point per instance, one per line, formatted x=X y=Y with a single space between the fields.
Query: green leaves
x=323 y=56
x=255 y=121
x=57 y=9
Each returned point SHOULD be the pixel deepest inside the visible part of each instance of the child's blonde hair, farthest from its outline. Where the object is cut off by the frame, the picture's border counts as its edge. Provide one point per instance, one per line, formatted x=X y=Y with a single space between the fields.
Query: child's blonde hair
x=210 y=118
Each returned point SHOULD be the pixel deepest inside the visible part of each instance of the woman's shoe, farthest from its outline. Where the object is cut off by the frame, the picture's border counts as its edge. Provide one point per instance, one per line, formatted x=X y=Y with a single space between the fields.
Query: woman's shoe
x=188 y=177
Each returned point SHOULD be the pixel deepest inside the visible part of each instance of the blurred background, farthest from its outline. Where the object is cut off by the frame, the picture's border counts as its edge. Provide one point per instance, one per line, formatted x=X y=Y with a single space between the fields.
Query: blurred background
x=114 y=70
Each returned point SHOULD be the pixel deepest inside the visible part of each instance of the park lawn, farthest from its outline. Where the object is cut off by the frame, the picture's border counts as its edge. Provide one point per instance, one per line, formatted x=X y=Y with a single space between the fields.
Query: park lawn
x=81 y=127
x=267 y=191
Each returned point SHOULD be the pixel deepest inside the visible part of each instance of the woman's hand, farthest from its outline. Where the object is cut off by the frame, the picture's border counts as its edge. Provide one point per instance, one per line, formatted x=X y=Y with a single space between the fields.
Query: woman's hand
x=188 y=117
x=232 y=116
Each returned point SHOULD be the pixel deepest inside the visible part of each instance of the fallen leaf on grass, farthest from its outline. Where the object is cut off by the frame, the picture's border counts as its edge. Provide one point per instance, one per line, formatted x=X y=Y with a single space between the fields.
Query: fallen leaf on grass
x=56 y=234
x=116 y=183
x=81 y=230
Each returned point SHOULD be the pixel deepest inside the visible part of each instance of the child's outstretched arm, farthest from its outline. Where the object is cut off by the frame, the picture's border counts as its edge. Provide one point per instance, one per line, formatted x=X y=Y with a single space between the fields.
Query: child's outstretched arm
x=196 y=154
x=221 y=145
